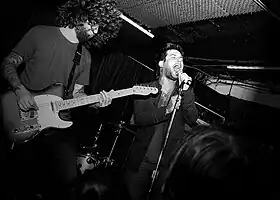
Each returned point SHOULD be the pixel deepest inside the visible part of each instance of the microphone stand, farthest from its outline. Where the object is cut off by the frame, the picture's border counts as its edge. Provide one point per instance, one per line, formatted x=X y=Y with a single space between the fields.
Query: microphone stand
x=156 y=170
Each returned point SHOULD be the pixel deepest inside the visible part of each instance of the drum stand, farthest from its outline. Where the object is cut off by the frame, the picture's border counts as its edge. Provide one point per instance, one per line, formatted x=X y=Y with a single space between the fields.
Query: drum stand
x=95 y=145
x=90 y=159
x=93 y=159
x=121 y=126
x=109 y=161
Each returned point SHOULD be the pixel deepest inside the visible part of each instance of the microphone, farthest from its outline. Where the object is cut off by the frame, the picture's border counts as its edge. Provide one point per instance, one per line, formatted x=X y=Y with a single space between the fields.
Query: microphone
x=185 y=79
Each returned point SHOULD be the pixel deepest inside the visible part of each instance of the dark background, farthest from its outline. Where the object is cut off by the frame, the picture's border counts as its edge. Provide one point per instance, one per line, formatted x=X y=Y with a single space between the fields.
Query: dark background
x=250 y=37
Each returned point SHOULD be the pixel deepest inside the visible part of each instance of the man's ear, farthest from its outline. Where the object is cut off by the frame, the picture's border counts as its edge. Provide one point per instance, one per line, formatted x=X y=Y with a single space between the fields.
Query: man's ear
x=160 y=63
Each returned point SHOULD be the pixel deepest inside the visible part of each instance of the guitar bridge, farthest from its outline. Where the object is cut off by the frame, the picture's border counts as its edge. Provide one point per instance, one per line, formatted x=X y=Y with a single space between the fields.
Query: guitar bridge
x=26 y=129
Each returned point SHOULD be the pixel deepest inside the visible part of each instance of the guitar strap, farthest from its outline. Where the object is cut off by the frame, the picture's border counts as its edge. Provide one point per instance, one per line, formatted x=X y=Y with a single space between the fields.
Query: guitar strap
x=76 y=61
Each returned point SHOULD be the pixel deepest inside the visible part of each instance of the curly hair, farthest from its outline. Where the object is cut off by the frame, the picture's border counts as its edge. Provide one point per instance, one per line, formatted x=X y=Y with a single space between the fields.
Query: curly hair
x=102 y=12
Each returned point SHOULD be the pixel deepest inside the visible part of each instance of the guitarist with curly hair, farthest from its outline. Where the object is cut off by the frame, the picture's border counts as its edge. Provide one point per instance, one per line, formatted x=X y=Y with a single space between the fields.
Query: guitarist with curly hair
x=48 y=52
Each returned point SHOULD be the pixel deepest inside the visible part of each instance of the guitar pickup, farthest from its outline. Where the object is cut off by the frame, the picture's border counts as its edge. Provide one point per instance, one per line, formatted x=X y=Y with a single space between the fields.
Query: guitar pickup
x=24 y=116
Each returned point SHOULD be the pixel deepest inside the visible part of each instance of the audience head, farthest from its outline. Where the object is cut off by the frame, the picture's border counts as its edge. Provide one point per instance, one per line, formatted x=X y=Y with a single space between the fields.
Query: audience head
x=208 y=164
x=102 y=183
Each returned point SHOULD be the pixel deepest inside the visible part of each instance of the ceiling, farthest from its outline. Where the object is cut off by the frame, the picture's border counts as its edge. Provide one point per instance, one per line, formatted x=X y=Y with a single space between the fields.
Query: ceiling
x=158 y=13
x=212 y=32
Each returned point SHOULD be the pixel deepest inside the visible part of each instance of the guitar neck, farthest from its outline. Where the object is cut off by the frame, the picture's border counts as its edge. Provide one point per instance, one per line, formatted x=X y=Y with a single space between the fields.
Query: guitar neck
x=86 y=100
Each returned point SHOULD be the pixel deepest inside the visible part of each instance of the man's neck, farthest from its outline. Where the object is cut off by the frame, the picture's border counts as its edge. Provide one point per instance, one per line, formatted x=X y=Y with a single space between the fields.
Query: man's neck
x=167 y=84
x=69 y=34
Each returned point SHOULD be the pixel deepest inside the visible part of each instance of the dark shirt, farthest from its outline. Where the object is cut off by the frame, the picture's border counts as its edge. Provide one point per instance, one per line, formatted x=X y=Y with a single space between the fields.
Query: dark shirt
x=48 y=56
x=148 y=116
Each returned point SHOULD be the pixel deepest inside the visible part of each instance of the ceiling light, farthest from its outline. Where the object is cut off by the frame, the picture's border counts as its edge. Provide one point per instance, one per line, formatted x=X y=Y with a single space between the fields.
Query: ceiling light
x=137 y=26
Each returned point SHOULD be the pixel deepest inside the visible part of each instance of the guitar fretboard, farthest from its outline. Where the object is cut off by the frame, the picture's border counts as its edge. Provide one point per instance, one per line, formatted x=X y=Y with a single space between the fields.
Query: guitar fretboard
x=86 y=100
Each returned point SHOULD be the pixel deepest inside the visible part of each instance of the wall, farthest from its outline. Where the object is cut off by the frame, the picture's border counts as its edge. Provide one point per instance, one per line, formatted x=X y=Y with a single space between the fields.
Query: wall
x=246 y=92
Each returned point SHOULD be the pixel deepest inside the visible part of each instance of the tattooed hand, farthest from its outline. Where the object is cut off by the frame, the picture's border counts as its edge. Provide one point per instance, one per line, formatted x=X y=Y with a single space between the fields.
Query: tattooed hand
x=25 y=99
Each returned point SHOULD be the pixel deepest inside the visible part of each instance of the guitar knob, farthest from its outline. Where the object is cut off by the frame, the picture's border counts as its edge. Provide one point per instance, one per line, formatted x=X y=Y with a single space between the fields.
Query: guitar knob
x=89 y=160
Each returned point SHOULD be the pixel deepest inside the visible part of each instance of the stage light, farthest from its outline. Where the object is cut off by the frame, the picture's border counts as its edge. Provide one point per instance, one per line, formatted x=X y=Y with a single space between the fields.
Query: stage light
x=137 y=26
x=243 y=67
x=252 y=68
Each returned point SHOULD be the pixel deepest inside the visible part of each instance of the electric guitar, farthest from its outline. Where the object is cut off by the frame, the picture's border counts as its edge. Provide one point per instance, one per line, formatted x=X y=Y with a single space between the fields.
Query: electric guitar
x=23 y=126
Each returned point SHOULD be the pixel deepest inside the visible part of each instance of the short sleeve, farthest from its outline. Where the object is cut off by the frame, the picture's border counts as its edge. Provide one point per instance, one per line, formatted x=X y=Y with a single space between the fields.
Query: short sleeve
x=26 y=46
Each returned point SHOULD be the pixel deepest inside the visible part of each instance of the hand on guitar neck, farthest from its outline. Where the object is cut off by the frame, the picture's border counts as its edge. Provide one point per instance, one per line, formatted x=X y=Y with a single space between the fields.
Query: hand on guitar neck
x=24 y=99
x=105 y=99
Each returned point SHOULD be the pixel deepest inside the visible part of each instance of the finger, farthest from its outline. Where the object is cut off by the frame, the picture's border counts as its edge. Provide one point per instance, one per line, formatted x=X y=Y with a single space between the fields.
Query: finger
x=178 y=103
x=103 y=98
x=96 y=105
x=25 y=105
x=22 y=106
x=30 y=104
x=34 y=104
x=106 y=98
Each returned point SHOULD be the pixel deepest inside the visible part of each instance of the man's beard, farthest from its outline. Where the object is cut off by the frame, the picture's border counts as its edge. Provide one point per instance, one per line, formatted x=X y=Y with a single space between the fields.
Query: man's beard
x=169 y=75
x=82 y=34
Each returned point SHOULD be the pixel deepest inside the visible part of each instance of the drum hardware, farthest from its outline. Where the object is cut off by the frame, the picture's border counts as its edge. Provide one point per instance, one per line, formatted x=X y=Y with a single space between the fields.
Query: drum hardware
x=121 y=126
x=94 y=146
x=91 y=159
x=96 y=137
x=87 y=162
x=118 y=132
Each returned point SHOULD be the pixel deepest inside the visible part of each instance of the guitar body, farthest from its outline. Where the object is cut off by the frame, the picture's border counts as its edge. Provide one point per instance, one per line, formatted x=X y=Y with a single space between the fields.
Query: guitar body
x=23 y=126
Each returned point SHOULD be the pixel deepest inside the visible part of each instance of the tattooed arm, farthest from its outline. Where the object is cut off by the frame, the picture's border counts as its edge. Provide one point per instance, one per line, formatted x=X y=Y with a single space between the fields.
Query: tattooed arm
x=9 y=68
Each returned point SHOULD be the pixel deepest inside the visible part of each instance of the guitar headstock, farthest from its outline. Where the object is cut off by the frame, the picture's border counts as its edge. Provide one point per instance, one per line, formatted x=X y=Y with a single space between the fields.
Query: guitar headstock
x=144 y=90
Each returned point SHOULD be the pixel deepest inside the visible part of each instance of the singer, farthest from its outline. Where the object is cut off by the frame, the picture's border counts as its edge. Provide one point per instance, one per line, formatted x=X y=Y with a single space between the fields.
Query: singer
x=152 y=116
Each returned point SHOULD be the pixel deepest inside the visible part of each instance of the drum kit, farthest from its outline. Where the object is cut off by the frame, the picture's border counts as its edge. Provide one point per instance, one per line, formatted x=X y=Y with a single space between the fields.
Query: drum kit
x=93 y=156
